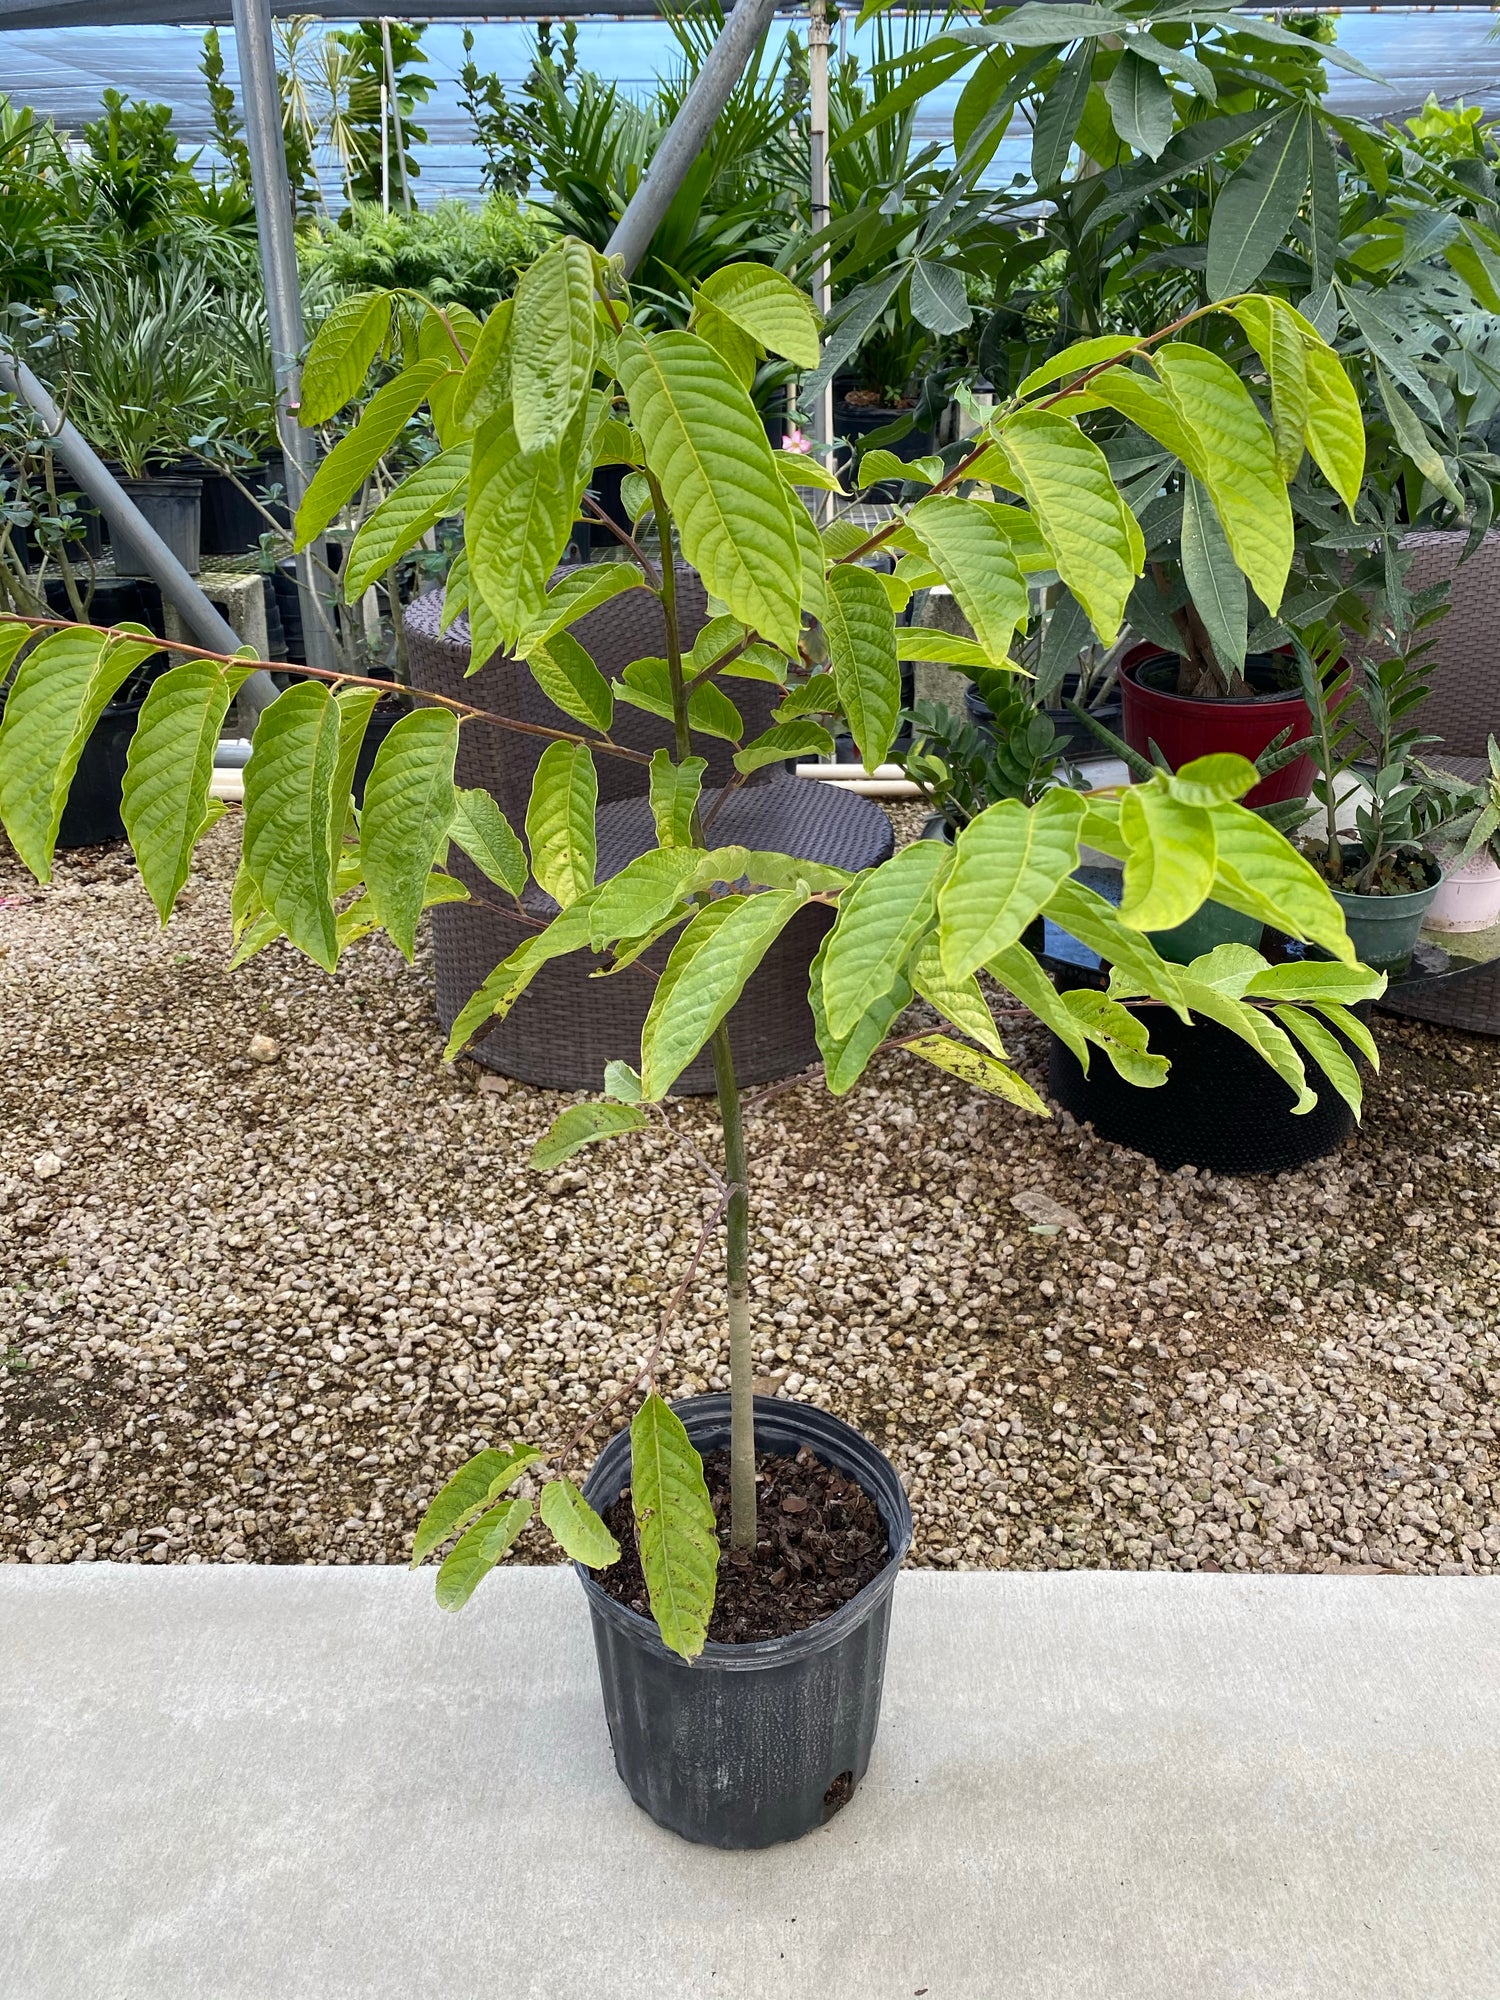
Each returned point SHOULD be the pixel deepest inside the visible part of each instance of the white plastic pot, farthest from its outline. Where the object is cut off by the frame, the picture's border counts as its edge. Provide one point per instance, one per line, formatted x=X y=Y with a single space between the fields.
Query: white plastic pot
x=1469 y=899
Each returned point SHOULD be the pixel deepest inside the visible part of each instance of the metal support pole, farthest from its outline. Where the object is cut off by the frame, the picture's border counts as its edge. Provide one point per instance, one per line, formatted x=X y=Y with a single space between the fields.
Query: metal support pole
x=129 y=528
x=819 y=209
x=721 y=71
x=260 y=95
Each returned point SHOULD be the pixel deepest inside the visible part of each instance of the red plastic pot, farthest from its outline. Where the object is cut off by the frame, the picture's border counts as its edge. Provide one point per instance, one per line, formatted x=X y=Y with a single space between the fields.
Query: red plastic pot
x=1184 y=727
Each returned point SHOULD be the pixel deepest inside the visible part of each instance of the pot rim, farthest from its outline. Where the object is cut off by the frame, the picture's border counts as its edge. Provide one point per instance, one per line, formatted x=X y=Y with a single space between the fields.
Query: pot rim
x=1364 y=901
x=765 y=1653
x=1259 y=704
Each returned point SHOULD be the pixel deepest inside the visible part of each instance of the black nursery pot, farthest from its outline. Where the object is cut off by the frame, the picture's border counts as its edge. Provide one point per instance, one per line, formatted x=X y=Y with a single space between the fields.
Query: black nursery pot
x=1221 y=1108
x=749 y=1745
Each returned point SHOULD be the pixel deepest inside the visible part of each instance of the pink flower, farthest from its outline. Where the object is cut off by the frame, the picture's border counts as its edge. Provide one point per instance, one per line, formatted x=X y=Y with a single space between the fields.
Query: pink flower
x=794 y=440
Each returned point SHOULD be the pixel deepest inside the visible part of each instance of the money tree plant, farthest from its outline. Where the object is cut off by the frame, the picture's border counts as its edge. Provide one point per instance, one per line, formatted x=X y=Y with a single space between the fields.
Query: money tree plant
x=557 y=381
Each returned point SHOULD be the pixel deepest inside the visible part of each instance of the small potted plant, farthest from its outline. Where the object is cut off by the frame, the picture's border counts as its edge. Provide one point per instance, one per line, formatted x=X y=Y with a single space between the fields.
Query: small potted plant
x=1386 y=877
x=1468 y=835
x=742 y=1688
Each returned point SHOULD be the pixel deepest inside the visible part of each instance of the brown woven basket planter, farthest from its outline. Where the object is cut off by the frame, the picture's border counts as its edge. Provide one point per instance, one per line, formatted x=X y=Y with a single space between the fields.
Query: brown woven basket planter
x=569 y=1024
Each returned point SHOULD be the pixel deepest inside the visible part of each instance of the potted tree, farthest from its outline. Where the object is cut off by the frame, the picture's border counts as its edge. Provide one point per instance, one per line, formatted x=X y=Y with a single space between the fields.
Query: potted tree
x=742 y=1689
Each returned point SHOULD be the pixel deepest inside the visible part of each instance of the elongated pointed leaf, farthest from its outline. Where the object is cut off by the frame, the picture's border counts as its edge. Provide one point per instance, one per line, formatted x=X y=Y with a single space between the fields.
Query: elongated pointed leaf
x=960 y=1001
x=1214 y=578
x=567 y=676
x=861 y=634
x=813 y=557
x=939 y=297
x=845 y=1057
x=1140 y=103
x=359 y=919
x=560 y=821
x=1169 y=862
x=1335 y=423
x=484 y=386
x=575 y=1527
x=1261 y=1033
x=1008 y=862
x=703 y=978
x=1317 y=983
x=478 y=1550
x=575 y=595
x=648 y=685
x=1122 y=1036
x=644 y=891
x=519 y=516
x=968 y=542
x=768 y=307
x=1096 y=923
x=579 y=1126
x=60 y=690
x=1021 y=974
x=404 y=516
x=1328 y=1052
x=493 y=1000
x=1057 y=120
x=1256 y=205
x=705 y=442
x=675 y=1527
x=1261 y=874
x=674 y=797
x=1414 y=441
x=487 y=837
x=355 y=707
x=552 y=344
x=1151 y=404
x=1248 y=491
x=800 y=738
x=1279 y=340
x=881 y=920
x=1093 y=536
x=408 y=809
x=339 y=359
x=288 y=846
x=14 y=633
x=474 y=1487
x=983 y=1071
x=355 y=457
x=164 y=800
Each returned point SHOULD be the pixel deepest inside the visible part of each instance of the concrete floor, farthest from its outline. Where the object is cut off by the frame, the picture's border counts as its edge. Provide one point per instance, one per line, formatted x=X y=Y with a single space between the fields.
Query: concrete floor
x=307 y=1784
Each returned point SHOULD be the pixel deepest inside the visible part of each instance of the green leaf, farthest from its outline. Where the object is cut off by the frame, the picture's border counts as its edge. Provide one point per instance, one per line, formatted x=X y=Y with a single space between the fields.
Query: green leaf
x=1256 y=206
x=1319 y=984
x=455 y=590
x=60 y=690
x=1059 y=116
x=705 y=442
x=622 y=1082
x=14 y=633
x=845 y=1057
x=960 y=1001
x=1352 y=1028
x=1094 y=538
x=1278 y=339
x=1248 y=492
x=567 y=676
x=939 y=297
x=164 y=801
x=560 y=821
x=703 y=978
x=478 y=1551
x=575 y=1527
x=289 y=836
x=1415 y=442
x=1228 y=968
x=739 y=350
x=355 y=706
x=1150 y=404
x=1335 y=422
x=917 y=642
x=1260 y=1032
x=577 y=594
x=339 y=359
x=475 y=1486
x=674 y=797
x=768 y=307
x=1095 y=923
x=404 y=516
x=579 y=1126
x=1019 y=973
x=675 y=1527
x=787 y=739
x=552 y=344
x=812 y=556
x=1214 y=579
x=982 y=1070
x=493 y=1000
x=800 y=468
x=1121 y=1034
x=1216 y=780
x=1140 y=103
x=642 y=894
x=819 y=695
x=648 y=685
x=974 y=553
x=359 y=919
x=880 y=921
x=861 y=633
x=1008 y=862
x=1169 y=861
x=1075 y=359
x=1259 y=873
x=408 y=809
x=1328 y=1052
x=519 y=516
x=487 y=837
x=484 y=386
x=356 y=456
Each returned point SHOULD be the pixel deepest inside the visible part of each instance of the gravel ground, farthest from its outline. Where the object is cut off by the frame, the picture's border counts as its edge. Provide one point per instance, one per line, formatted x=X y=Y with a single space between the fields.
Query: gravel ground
x=255 y=1306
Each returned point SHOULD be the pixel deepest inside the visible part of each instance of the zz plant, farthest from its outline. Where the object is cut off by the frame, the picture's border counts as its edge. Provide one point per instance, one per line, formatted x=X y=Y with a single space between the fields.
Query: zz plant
x=526 y=405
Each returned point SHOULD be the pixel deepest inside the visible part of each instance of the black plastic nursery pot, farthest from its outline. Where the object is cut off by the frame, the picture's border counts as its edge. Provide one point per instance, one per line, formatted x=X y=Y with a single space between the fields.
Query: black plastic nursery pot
x=750 y=1745
x=1221 y=1108
x=172 y=504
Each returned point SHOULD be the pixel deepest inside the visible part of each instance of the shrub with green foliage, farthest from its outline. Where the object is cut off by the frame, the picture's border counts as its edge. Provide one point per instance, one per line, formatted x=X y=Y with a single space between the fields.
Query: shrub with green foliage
x=450 y=252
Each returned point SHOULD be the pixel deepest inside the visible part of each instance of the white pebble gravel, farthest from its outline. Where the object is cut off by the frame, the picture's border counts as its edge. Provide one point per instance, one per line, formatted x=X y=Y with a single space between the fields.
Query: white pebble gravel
x=271 y=1270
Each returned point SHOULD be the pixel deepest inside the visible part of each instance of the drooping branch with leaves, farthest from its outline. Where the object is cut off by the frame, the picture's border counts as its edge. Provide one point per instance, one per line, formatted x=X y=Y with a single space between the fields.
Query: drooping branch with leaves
x=527 y=405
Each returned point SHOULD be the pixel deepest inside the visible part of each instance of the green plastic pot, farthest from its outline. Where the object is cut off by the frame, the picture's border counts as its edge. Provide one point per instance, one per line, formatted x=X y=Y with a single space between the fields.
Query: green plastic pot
x=1383 y=929
x=1213 y=924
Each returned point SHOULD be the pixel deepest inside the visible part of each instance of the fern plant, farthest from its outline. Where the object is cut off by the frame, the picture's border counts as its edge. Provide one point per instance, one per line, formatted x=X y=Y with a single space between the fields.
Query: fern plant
x=553 y=383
